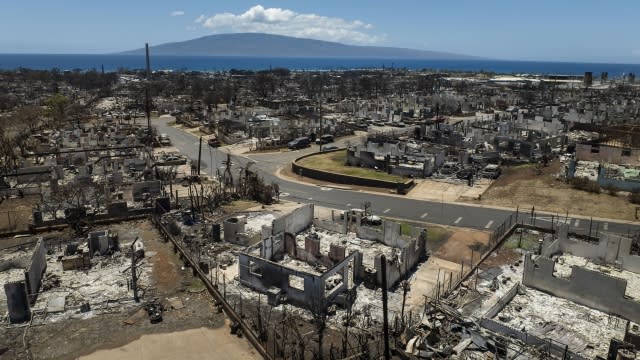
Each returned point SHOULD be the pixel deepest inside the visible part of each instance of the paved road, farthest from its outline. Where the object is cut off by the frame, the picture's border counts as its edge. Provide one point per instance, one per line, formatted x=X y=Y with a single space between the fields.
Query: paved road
x=454 y=214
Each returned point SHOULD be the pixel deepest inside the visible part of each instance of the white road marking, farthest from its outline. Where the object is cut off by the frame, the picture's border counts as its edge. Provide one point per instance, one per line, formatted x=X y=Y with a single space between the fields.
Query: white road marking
x=605 y=226
x=457 y=220
x=326 y=189
x=284 y=194
x=386 y=211
x=577 y=223
x=424 y=215
x=489 y=224
x=349 y=204
x=310 y=198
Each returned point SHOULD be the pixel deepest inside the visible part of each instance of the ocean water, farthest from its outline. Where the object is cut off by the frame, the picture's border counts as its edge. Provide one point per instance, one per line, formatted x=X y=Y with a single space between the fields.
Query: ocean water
x=203 y=63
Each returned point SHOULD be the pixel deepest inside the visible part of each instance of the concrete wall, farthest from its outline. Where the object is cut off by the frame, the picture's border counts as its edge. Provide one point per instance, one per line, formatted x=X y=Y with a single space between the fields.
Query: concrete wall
x=272 y=246
x=295 y=221
x=118 y=209
x=26 y=176
x=261 y=274
x=586 y=287
x=34 y=271
x=390 y=234
x=610 y=249
x=405 y=260
x=347 y=179
x=17 y=302
x=234 y=230
x=608 y=154
x=102 y=242
x=333 y=226
x=555 y=347
x=151 y=187
x=625 y=185
x=370 y=233
x=502 y=302
x=407 y=170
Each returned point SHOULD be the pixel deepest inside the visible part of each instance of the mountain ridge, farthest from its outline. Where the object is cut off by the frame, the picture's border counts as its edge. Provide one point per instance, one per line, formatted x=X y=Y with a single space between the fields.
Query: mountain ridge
x=269 y=45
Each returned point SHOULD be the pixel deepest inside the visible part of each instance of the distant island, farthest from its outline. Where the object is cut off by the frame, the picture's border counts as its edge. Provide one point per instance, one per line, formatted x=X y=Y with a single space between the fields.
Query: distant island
x=267 y=45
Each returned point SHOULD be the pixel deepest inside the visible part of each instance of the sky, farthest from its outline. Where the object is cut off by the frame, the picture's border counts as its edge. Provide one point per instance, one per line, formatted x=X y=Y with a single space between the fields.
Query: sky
x=540 y=30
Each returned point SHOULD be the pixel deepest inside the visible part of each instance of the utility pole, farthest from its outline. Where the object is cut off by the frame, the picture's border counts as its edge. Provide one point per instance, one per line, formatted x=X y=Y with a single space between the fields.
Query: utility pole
x=199 y=156
x=147 y=100
x=320 y=109
x=385 y=316
x=134 y=271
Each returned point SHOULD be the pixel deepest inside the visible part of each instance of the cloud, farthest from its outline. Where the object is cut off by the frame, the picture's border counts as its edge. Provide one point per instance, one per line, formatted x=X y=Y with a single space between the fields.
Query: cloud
x=287 y=22
x=177 y=13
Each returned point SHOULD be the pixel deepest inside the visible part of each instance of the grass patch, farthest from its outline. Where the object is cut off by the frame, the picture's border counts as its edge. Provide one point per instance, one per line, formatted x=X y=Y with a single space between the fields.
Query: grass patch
x=527 y=242
x=335 y=162
x=437 y=233
x=239 y=205
x=196 y=286
x=406 y=229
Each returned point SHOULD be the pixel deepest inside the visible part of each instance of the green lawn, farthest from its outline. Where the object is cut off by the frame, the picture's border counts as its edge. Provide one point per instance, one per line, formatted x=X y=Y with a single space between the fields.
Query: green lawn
x=334 y=162
x=527 y=241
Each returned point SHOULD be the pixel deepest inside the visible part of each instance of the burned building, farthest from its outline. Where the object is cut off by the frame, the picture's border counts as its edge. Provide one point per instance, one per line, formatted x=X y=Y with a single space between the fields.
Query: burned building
x=316 y=268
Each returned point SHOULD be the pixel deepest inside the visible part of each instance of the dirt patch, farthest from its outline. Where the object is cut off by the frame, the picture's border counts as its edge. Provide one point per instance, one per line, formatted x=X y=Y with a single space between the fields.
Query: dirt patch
x=427 y=189
x=525 y=186
x=185 y=345
x=425 y=279
x=500 y=257
x=83 y=333
x=166 y=277
x=239 y=205
x=72 y=338
x=458 y=247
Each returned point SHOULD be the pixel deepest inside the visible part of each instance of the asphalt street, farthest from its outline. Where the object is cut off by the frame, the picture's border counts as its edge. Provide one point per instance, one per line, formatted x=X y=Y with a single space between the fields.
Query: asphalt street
x=454 y=214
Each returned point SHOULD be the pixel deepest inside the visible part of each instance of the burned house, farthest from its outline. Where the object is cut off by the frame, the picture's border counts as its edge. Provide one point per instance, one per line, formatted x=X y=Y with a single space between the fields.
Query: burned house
x=305 y=262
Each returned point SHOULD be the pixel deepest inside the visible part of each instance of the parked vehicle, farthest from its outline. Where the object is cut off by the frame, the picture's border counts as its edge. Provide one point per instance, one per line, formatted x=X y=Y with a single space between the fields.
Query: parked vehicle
x=352 y=213
x=164 y=140
x=324 y=139
x=299 y=143
x=328 y=148
x=213 y=142
x=366 y=219
x=491 y=171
